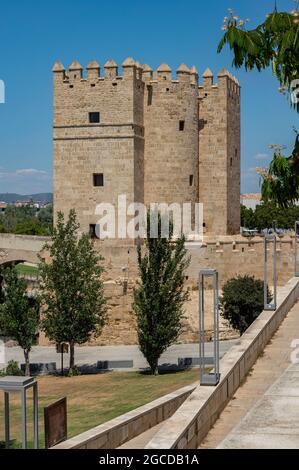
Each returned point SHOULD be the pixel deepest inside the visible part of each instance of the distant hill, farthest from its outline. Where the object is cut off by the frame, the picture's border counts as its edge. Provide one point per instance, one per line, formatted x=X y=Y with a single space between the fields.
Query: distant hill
x=11 y=198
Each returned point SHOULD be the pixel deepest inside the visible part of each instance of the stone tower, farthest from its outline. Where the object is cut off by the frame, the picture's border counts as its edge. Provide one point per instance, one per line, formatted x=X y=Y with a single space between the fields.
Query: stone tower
x=148 y=136
x=219 y=153
x=171 y=119
x=98 y=137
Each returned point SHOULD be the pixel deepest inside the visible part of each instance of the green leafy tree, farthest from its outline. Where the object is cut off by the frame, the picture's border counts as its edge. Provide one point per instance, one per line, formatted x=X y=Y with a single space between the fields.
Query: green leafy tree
x=242 y=301
x=247 y=218
x=160 y=296
x=30 y=227
x=45 y=216
x=72 y=287
x=16 y=215
x=1 y=289
x=264 y=215
x=281 y=181
x=274 y=43
x=18 y=318
x=26 y=220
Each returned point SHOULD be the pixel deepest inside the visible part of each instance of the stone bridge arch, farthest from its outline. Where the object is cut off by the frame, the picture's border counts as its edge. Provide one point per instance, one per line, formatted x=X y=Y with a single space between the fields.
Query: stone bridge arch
x=16 y=249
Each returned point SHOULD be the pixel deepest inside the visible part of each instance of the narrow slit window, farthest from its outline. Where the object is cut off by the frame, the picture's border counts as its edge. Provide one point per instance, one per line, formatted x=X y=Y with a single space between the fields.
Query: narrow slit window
x=94 y=117
x=149 y=95
x=182 y=125
x=191 y=180
x=93 y=231
x=98 y=179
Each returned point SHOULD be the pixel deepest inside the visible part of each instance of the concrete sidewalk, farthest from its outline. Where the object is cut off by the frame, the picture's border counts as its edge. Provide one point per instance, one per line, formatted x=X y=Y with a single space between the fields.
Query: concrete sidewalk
x=264 y=412
x=273 y=423
x=91 y=354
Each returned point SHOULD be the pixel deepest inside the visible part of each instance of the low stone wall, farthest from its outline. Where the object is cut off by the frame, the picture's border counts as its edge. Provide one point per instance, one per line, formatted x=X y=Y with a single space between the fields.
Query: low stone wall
x=193 y=420
x=122 y=429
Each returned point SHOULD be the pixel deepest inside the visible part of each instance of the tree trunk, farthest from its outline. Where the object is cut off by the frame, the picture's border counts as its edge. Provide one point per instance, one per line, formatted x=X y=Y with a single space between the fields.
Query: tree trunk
x=27 y=364
x=154 y=368
x=72 y=354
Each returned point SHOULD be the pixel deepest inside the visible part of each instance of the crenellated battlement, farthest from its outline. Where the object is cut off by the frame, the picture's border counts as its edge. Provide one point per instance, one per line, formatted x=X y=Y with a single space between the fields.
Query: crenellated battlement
x=226 y=81
x=133 y=69
x=93 y=72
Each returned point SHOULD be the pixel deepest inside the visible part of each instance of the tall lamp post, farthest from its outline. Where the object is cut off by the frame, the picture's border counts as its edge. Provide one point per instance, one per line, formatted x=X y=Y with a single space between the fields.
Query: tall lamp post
x=272 y=305
x=20 y=384
x=213 y=377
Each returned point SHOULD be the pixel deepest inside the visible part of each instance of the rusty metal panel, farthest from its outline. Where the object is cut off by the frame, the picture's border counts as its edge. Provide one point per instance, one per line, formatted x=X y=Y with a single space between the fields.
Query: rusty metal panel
x=55 y=416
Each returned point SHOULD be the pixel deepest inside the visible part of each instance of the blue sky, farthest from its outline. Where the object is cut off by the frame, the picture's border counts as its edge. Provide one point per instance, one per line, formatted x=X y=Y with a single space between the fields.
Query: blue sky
x=35 y=33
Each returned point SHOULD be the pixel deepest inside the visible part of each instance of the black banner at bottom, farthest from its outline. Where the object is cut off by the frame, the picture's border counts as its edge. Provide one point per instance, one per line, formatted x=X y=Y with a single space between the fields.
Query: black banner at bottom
x=131 y=459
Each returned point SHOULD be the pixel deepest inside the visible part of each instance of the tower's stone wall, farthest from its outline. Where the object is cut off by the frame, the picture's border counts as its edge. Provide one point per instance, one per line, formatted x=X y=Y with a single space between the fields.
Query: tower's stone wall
x=113 y=147
x=219 y=153
x=158 y=139
x=171 y=151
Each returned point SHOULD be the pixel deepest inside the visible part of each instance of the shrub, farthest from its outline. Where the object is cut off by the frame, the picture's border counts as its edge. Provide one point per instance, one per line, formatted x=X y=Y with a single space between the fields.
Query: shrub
x=74 y=372
x=13 y=368
x=242 y=301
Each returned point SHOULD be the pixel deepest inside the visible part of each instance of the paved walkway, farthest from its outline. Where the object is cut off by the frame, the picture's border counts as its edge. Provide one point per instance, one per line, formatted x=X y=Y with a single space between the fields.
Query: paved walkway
x=140 y=441
x=91 y=354
x=264 y=413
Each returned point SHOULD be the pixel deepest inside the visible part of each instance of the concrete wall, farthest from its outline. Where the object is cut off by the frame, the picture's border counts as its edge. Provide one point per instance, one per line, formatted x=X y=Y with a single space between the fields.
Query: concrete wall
x=116 y=432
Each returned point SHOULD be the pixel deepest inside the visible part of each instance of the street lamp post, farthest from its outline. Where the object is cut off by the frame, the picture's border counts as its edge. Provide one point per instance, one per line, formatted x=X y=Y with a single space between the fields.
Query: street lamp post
x=272 y=305
x=20 y=384
x=213 y=377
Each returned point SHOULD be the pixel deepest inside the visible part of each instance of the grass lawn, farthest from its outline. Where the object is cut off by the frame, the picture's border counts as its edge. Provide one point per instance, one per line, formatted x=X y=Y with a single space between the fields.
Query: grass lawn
x=27 y=270
x=93 y=399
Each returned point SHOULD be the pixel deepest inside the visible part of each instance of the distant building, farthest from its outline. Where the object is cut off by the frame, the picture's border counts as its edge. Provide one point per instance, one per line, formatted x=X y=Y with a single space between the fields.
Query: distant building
x=251 y=200
x=3 y=207
x=28 y=203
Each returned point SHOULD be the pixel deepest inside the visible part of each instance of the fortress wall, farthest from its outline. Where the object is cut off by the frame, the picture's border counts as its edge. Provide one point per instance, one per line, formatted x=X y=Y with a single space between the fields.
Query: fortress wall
x=229 y=255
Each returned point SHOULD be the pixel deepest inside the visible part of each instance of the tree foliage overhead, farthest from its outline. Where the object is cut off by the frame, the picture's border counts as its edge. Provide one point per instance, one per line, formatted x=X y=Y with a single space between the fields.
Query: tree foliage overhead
x=274 y=43
x=72 y=289
x=160 y=295
x=280 y=182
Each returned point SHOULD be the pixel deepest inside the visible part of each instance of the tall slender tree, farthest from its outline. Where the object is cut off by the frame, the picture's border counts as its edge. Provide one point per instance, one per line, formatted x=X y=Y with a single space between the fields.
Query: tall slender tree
x=18 y=318
x=72 y=289
x=160 y=295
